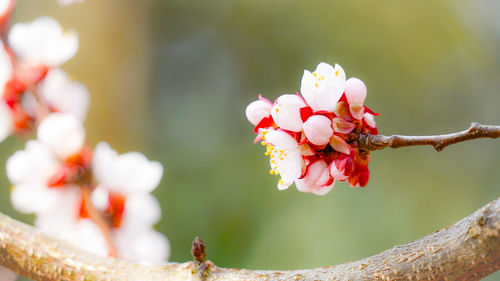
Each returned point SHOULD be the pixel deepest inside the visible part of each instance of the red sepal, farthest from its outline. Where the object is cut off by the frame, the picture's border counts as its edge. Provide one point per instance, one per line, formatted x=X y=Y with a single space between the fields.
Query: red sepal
x=370 y=111
x=305 y=113
x=115 y=209
x=266 y=122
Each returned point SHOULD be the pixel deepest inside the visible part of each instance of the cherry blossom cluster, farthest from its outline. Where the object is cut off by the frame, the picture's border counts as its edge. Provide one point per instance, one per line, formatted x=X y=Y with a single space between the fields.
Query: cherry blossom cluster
x=95 y=198
x=308 y=136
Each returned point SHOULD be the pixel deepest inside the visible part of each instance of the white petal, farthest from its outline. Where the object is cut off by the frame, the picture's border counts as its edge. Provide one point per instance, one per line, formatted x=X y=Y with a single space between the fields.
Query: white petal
x=126 y=173
x=144 y=246
x=286 y=112
x=285 y=157
x=280 y=139
x=323 y=88
x=63 y=133
x=307 y=89
x=63 y=214
x=43 y=42
x=65 y=95
x=33 y=198
x=6 y=123
x=100 y=197
x=103 y=162
x=35 y=164
x=258 y=110
x=6 y=274
x=89 y=237
x=142 y=210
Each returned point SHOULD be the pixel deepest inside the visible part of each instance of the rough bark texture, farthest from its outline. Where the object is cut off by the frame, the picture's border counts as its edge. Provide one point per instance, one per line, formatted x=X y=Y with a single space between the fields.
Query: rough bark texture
x=468 y=250
x=439 y=142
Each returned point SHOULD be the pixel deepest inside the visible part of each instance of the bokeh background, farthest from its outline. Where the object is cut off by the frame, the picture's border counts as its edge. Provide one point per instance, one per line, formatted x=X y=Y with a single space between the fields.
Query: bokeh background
x=171 y=78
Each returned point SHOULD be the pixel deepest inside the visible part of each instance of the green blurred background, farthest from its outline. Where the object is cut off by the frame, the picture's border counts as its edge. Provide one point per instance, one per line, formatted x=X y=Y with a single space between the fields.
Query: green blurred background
x=172 y=79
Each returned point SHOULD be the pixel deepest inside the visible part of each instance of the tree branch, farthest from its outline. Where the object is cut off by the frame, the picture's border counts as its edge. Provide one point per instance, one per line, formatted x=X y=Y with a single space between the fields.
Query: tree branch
x=468 y=250
x=439 y=142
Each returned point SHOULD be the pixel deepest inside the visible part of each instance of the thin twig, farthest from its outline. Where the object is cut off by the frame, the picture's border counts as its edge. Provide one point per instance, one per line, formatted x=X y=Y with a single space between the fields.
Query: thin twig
x=439 y=142
x=97 y=217
x=467 y=250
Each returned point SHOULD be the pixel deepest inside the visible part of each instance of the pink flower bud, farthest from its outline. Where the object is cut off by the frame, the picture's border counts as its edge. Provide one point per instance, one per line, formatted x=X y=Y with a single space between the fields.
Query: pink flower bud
x=317 y=179
x=318 y=129
x=258 y=110
x=355 y=91
x=286 y=112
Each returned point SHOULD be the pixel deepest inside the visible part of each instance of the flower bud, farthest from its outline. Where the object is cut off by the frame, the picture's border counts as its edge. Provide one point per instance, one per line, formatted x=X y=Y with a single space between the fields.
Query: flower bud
x=355 y=92
x=258 y=110
x=318 y=129
x=317 y=179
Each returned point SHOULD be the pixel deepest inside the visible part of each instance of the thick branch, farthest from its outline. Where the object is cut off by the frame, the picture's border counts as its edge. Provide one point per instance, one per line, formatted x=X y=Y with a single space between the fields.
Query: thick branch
x=439 y=142
x=468 y=250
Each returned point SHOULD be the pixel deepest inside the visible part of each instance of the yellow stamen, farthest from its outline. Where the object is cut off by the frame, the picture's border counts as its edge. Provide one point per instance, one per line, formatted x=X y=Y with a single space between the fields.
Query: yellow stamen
x=264 y=143
x=316 y=85
x=314 y=73
x=280 y=182
x=271 y=172
x=337 y=72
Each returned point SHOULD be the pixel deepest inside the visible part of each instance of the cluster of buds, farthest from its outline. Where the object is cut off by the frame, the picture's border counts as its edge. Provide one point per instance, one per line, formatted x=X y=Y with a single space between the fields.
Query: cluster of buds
x=308 y=135
x=97 y=199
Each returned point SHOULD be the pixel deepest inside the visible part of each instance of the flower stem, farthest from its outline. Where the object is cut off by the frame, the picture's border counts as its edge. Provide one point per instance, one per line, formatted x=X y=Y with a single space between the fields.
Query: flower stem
x=97 y=217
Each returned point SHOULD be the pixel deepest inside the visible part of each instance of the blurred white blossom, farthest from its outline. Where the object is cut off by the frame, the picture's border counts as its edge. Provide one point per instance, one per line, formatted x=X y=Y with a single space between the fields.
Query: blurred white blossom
x=43 y=41
x=64 y=95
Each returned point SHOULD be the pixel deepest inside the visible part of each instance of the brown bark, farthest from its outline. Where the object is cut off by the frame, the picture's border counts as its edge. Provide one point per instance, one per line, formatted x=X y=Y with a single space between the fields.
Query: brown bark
x=467 y=250
x=439 y=142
